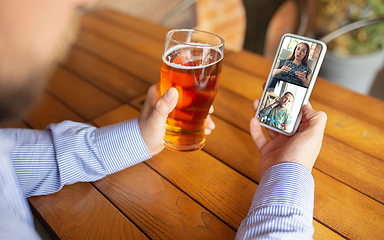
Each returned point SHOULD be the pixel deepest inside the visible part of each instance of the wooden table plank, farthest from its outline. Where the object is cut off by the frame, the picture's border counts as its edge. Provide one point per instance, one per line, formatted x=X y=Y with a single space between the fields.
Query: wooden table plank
x=352 y=167
x=50 y=110
x=345 y=210
x=138 y=25
x=118 y=34
x=160 y=209
x=79 y=211
x=117 y=83
x=87 y=100
x=133 y=24
x=366 y=137
x=224 y=192
x=134 y=63
x=19 y=123
x=323 y=233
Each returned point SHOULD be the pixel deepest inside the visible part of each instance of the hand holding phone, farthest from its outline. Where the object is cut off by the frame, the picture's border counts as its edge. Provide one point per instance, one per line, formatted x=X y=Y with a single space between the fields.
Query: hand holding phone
x=290 y=82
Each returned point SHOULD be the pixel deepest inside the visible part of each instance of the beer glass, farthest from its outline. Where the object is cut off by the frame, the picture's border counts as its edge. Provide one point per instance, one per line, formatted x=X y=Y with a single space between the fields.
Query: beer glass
x=192 y=62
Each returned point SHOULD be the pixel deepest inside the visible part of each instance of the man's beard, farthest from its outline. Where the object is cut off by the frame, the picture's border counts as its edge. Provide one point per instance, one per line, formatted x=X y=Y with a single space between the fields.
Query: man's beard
x=15 y=101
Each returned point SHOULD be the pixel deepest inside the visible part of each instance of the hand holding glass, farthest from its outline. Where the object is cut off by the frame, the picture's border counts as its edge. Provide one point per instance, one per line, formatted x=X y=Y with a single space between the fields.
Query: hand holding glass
x=192 y=64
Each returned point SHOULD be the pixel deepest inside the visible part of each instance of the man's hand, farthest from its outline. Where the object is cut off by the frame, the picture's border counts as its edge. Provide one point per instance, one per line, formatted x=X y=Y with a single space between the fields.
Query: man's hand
x=303 y=147
x=154 y=114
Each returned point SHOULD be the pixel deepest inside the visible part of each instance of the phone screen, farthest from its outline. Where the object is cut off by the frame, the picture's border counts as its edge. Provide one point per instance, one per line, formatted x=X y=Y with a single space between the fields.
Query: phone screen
x=290 y=82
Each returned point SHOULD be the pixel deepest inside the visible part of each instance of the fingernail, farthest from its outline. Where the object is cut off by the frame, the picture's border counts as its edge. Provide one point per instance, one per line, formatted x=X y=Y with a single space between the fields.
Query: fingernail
x=169 y=95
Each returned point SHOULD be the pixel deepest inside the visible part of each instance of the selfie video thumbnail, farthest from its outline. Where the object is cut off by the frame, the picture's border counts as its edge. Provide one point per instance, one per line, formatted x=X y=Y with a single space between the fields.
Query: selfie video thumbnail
x=281 y=105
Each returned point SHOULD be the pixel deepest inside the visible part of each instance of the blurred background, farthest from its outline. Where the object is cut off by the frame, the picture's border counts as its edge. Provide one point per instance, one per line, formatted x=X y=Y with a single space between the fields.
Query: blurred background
x=355 y=59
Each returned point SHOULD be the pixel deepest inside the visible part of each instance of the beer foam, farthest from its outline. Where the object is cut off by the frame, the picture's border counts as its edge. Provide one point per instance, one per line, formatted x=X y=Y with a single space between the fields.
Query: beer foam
x=179 y=66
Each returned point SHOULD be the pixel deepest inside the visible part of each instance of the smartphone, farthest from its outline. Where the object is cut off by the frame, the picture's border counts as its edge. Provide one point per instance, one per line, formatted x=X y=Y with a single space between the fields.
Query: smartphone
x=290 y=82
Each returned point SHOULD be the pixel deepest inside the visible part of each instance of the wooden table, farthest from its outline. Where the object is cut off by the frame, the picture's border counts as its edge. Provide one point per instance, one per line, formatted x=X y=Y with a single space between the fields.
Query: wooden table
x=204 y=194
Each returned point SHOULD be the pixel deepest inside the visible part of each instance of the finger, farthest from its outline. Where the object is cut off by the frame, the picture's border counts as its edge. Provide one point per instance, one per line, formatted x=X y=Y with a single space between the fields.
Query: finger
x=209 y=125
x=272 y=134
x=211 y=109
x=257 y=134
x=256 y=104
x=285 y=64
x=150 y=101
x=316 y=120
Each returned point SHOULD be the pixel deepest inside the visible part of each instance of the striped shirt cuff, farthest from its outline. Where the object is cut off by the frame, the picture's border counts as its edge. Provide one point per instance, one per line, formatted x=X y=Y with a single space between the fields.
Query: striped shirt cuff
x=286 y=184
x=121 y=145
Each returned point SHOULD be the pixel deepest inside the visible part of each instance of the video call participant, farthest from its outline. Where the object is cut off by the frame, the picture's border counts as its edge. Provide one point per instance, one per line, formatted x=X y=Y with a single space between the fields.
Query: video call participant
x=277 y=115
x=295 y=68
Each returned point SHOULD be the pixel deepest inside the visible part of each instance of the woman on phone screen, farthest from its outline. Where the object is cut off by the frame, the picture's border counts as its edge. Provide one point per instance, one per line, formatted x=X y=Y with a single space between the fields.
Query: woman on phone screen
x=295 y=68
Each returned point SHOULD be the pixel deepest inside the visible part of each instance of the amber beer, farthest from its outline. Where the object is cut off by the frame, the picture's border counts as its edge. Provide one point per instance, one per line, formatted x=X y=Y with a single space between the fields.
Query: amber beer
x=194 y=72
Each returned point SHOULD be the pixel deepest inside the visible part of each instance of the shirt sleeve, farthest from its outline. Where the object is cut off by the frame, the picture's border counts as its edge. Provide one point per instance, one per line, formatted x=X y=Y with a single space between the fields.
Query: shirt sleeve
x=282 y=207
x=69 y=152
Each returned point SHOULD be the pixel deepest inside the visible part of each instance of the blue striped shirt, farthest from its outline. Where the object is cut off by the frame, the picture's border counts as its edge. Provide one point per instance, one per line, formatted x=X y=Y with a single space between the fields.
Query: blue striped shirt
x=39 y=162
x=282 y=207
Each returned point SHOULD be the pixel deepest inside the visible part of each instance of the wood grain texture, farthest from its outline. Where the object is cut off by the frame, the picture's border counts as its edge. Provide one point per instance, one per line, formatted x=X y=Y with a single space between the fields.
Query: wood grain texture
x=134 y=63
x=159 y=208
x=346 y=210
x=113 y=81
x=223 y=191
x=50 y=110
x=152 y=47
x=144 y=27
x=79 y=211
x=352 y=167
x=359 y=134
x=85 y=99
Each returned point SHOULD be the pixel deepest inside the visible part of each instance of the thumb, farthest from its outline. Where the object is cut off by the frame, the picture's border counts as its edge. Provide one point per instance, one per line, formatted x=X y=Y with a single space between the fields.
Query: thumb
x=152 y=120
x=164 y=106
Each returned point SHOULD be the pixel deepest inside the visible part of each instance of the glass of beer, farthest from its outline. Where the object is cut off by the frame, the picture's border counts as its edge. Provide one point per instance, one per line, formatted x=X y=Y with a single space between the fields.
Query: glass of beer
x=192 y=62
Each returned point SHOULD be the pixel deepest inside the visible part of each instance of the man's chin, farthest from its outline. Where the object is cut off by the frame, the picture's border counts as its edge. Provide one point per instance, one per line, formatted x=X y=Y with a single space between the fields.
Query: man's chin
x=16 y=102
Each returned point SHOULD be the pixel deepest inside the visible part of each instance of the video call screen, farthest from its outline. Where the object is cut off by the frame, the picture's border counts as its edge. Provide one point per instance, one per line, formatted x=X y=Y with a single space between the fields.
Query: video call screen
x=290 y=78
